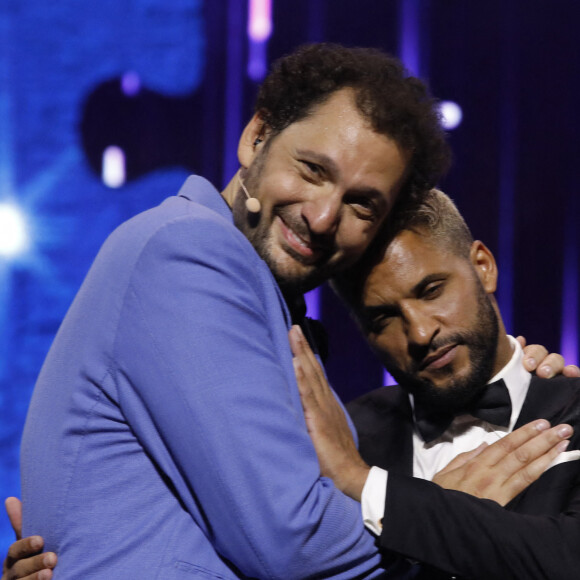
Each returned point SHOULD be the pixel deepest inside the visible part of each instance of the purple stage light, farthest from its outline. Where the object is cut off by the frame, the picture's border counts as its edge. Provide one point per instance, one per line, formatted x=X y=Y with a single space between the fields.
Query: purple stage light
x=570 y=343
x=451 y=115
x=259 y=20
x=410 y=36
x=130 y=84
x=312 y=300
x=259 y=31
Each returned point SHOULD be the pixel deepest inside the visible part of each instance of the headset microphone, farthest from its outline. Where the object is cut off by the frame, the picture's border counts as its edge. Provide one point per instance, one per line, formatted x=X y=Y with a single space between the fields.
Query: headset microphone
x=252 y=204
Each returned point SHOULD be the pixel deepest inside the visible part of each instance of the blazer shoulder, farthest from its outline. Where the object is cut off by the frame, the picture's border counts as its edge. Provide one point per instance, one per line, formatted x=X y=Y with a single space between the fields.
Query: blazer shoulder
x=382 y=399
x=556 y=399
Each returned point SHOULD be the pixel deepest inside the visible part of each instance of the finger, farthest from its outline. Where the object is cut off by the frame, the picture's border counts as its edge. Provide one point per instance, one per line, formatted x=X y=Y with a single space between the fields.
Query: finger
x=301 y=350
x=14 y=511
x=309 y=356
x=521 y=340
x=311 y=368
x=294 y=335
x=571 y=371
x=552 y=365
x=25 y=548
x=35 y=568
x=534 y=354
x=461 y=459
x=502 y=448
x=532 y=471
x=524 y=455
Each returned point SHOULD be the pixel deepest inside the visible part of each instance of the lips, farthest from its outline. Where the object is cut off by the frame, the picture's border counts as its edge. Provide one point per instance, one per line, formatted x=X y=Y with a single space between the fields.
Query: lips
x=300 y=246
x=440 y=358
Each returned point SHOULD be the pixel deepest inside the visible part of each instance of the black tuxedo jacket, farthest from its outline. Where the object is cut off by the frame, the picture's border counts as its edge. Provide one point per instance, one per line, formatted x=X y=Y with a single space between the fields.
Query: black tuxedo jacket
x=536 y=536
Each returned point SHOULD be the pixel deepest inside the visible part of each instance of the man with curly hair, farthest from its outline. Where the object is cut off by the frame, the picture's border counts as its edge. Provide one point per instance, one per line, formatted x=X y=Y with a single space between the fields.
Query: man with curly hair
x=165 y=436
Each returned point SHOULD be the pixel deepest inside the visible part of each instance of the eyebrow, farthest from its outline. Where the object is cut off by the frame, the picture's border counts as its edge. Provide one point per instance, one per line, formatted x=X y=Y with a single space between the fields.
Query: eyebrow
x=425 y=281
x=332 y=168
x=369 y=312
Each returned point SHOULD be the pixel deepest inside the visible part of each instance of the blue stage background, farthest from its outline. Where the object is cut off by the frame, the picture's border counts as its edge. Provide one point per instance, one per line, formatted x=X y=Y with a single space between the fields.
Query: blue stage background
x=168 y=82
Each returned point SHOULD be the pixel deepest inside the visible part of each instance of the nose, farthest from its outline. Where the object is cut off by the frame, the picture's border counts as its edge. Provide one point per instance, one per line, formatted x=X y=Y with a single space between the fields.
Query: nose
x=322 y=212
x=421 y=327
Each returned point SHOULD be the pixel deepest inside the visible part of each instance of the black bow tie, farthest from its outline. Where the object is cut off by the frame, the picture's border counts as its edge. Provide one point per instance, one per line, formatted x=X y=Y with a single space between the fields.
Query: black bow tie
x=494 y=406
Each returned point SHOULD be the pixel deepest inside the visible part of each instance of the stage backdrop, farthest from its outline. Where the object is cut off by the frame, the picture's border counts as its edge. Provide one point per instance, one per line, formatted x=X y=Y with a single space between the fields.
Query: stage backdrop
x=105 y=107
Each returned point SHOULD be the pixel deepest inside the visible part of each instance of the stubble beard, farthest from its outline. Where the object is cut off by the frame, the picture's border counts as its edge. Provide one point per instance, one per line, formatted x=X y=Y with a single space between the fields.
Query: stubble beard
x=459 y=391
x=258 y=230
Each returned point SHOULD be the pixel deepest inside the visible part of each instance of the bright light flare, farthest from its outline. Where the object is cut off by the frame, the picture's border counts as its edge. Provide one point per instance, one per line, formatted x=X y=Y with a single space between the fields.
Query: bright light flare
x=13 y=231
x=260 y=20
x=113 y=168
x=451 y=115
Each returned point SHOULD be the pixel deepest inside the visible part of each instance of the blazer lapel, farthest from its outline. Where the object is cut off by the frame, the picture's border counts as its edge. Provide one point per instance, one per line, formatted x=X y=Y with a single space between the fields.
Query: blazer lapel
x=383 y=420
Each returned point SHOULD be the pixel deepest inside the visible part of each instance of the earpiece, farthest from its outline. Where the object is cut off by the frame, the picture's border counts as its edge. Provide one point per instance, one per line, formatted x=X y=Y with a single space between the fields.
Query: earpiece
x=257 y=141
x=252 y=203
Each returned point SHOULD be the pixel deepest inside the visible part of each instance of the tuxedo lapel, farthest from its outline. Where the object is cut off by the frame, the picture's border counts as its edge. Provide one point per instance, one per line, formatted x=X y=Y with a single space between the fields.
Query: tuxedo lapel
x=557 y=400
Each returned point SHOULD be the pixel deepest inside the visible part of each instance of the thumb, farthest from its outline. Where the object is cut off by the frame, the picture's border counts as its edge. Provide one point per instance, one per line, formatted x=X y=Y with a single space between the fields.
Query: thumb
x=14 y=511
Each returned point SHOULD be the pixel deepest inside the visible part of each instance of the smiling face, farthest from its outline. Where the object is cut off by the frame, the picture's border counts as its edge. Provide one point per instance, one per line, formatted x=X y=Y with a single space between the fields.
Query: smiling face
x=325 y=184
x=429 y=315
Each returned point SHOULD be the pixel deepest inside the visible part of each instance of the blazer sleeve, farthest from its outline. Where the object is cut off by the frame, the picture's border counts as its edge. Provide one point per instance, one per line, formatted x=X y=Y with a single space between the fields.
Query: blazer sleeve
x=210 y=397
x=478 y=539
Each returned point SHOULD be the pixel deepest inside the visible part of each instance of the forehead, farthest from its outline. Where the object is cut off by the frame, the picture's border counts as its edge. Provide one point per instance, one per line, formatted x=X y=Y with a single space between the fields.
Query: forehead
x=337 y=131
x=409 y=258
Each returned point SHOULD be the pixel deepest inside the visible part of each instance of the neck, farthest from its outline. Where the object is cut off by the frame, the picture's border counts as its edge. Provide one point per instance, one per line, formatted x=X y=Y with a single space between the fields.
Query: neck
x=504 y=351
x=230 y=191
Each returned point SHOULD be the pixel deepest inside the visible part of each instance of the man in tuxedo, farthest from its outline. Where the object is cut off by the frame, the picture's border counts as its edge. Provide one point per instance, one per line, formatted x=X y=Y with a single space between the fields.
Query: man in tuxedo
x=424 y=299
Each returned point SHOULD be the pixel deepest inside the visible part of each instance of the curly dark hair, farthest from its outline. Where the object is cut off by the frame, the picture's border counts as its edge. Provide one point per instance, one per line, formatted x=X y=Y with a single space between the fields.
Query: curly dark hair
x=395 y=104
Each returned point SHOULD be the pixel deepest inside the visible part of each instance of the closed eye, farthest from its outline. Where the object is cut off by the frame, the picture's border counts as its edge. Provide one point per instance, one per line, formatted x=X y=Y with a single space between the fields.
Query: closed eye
x=312 y=168
x=375 y=319
x=364 y=206
x=432 y=291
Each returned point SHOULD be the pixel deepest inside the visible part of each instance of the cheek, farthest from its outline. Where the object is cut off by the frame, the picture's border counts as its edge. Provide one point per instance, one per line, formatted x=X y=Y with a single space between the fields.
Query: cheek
x=390 y=346
x=355 y=236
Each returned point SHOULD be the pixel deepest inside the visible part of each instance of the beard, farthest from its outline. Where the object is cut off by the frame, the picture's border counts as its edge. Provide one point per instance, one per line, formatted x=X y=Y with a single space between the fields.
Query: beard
x=297 y=275
x=459 y=390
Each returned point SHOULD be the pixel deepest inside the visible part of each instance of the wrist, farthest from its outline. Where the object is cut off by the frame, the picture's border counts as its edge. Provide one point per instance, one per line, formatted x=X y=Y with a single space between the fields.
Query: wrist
x=355 y=481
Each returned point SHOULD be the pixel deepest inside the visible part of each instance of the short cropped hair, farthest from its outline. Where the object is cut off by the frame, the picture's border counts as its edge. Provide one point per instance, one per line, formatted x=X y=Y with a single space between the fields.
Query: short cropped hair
x=433 y=215
x=395 y=104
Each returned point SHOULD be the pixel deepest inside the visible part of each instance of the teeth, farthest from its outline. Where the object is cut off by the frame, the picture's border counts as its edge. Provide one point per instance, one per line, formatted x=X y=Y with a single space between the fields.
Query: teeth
x=298 y=239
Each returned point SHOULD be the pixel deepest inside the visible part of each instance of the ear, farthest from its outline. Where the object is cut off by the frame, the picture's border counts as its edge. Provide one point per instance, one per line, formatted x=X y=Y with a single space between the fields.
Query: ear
x=484 y=264
x=252 y=135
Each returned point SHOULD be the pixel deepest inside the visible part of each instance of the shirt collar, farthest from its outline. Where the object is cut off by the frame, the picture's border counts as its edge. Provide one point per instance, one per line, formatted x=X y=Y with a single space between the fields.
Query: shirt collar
x=516 y=378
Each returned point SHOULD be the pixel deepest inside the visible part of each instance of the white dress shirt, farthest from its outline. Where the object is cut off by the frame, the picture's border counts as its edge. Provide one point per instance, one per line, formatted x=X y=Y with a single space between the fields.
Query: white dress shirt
x=464 y=434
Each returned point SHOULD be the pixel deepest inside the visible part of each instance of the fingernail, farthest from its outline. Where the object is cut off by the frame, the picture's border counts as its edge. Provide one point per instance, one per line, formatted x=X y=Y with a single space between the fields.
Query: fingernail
x=542 y=425
x=531 y=362
x=49 y=560
x=36 y=543
x=565 y=431
x=563 y=445
x=297 y=331
x=547 y=371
